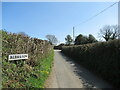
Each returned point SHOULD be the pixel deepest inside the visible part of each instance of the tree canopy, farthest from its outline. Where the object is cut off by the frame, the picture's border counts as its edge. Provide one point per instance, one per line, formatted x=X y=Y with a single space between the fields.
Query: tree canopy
x=81 y=39
x=68 y=39
x=52 y=39
x=109 y=32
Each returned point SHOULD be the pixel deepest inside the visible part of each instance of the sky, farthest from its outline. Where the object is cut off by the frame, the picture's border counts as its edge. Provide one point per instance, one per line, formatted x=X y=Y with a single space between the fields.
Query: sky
x=38 y=19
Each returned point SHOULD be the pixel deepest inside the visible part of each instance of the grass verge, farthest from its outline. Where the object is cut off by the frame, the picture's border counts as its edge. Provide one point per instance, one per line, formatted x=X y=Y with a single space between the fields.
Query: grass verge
x=23 y=76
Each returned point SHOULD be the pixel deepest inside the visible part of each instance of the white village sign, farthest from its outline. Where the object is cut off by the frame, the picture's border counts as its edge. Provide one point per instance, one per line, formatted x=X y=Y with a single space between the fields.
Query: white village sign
x=17 y=57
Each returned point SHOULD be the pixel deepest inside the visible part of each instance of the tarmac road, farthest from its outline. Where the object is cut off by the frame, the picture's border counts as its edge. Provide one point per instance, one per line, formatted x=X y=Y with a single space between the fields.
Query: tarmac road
x=68 y=74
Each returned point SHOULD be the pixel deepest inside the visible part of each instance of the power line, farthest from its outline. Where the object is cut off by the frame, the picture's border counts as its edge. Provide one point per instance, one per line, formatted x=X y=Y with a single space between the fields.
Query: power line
x=96 y=14
x=92 y=17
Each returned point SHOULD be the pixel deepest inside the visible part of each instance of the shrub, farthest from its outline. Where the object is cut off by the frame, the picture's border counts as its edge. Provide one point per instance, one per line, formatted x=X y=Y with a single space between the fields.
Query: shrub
x=25 y=73
x=103 y=58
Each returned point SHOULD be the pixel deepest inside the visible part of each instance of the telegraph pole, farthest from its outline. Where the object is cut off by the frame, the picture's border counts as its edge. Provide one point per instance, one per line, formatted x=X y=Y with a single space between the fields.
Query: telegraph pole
x=118 y=20
x=73 y=34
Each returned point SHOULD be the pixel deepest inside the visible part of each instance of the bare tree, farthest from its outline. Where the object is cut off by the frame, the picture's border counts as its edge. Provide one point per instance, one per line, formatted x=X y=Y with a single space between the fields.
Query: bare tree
x=52 y=39
x=109 y=32
x=115 y=32
x=118 y=31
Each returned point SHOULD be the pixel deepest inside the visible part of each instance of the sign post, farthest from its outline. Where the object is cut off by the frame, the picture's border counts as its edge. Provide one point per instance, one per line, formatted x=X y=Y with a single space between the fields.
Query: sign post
x=17 y=57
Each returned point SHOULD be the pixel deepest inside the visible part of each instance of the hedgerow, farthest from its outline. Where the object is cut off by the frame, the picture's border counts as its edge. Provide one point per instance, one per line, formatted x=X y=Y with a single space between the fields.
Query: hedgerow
x=102 y=58
x=30 y=73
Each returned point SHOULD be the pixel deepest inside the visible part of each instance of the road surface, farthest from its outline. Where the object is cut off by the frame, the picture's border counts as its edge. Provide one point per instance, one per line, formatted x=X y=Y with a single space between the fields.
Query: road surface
x=68 y=74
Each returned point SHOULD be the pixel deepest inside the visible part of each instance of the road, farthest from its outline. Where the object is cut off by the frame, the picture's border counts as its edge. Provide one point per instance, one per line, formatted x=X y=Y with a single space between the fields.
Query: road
x=68 y=74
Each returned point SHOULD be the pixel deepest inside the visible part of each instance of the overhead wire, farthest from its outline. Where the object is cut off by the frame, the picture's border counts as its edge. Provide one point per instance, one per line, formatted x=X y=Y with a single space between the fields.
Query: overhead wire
x=96 y=14
x=93 y=17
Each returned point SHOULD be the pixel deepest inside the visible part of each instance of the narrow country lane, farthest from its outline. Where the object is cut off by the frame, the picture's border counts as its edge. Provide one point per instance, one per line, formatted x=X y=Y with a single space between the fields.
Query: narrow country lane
x=67 y=74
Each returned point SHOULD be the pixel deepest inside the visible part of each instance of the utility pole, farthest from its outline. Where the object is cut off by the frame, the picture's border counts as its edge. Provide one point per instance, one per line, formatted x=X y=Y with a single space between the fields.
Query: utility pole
x=73 y=34
x=119 y=20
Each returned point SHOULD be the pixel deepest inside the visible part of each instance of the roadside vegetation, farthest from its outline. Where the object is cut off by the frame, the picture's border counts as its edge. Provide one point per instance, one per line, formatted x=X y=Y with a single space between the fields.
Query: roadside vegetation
x=100 y=57
x=30 y=73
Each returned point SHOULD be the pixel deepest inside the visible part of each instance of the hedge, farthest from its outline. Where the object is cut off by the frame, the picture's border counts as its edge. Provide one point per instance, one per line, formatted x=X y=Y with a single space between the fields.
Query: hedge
x=102 y=58
x=30 y=73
